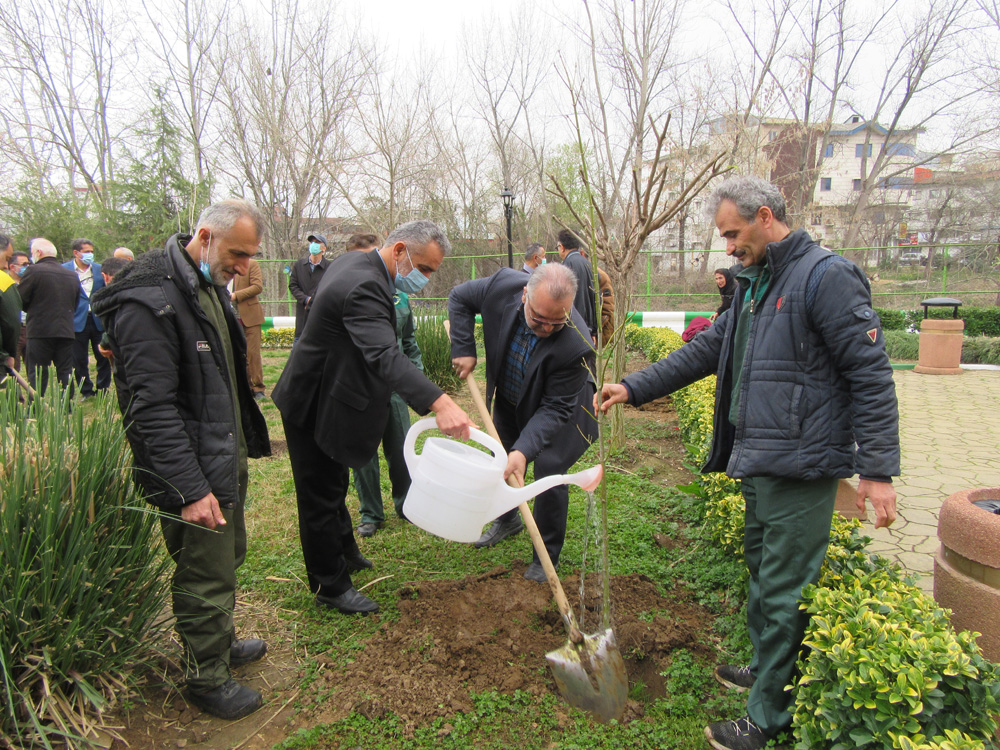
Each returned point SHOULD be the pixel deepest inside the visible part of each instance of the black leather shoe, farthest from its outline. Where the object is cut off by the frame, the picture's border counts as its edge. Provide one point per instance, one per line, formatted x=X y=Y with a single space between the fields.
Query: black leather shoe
x=245 y=651
x=351 y=602
x=356 y=561
x=367 y=529
x=230 y=700
x=498 y=531
x=536 y=572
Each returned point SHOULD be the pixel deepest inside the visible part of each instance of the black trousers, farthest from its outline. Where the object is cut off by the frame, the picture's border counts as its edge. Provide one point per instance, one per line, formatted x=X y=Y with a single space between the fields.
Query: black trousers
x=41 y=353
x=88 y=339
x=325 y=528
x=551 y=506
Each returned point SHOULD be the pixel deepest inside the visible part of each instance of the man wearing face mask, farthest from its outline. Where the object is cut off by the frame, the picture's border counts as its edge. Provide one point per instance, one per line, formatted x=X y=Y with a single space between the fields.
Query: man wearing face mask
x=192 y=424
x=304 y=278
x=534 y=256
x=334 y=397
x=86 y=326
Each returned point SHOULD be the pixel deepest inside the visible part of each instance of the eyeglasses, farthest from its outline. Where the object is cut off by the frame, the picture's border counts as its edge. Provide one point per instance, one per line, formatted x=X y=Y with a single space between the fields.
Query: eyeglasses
x=554 y=324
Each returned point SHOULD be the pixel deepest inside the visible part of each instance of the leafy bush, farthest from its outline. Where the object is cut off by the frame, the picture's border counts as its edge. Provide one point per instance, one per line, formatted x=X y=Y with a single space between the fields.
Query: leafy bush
x=435 y=351
x=976 y=350
x=902 y=345
x=884 y=668
x=277 y=338
x=81 y=576
x=979 y=321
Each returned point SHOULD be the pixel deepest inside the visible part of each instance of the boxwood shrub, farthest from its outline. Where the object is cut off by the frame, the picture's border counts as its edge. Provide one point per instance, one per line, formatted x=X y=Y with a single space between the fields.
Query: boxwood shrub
x=979 y=321
x=882 y=668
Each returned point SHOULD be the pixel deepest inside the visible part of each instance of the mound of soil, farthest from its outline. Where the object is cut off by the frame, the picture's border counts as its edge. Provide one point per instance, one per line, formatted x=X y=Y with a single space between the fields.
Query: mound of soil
x=492 y=632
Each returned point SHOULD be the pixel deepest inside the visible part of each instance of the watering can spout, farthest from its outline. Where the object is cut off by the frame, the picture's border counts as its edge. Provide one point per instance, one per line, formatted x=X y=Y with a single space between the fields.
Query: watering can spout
x=508 y=498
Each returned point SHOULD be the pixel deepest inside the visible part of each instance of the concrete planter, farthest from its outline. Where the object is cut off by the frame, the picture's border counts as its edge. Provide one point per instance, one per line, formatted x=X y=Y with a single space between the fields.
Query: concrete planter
x=940 y=346
x=967 y=566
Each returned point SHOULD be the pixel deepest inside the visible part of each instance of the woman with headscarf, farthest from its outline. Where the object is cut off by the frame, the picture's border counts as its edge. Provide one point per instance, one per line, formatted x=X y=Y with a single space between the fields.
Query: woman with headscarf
x=727 y=290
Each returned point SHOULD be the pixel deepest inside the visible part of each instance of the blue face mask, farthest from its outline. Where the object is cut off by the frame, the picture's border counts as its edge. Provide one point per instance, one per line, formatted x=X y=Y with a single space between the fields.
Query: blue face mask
x=206 y=271
x=414 y=281
x=315 y=248
x=542 y=263
x=20 y=270
x=86 y=258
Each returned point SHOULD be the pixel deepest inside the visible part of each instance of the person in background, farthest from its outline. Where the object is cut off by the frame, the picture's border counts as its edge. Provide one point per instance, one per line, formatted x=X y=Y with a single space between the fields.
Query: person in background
x=569 y=250
x=367 y=479
x=726 y=282
x=244 y=295
x=192 y=424
x=534 y=256
x=805 y=397
x=18 y=263
x=304 y=278
x=88 y=329
x=124 y=253
x=109 y=269
x=10 y=309
x=49 y=293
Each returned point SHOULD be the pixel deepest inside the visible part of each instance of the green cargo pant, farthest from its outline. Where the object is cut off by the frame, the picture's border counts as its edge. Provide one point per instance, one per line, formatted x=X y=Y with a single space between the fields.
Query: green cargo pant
x=204 y=592
x=367 y=482
x=785 y=540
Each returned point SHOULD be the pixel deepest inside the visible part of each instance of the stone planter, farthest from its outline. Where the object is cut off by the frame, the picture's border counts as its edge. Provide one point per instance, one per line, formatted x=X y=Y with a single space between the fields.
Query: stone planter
x=967 y=567
x=940 y=346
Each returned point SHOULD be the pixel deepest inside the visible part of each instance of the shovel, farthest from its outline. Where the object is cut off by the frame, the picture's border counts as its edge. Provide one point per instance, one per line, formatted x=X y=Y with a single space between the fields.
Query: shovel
x=589 y=670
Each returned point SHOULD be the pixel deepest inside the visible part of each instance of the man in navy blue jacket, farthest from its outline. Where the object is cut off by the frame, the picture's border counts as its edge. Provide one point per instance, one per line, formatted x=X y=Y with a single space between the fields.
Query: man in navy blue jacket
x=86 y=325
x=804 y=397
x=539 y=364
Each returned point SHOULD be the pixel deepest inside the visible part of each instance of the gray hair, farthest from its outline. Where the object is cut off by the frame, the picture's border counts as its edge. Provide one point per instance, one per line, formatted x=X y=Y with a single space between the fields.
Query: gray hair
x=748 y=194
x=532 y=250
x=125 y=253
x=418 y=235
x=559 y=281
x=222 y=216
x=43 y=248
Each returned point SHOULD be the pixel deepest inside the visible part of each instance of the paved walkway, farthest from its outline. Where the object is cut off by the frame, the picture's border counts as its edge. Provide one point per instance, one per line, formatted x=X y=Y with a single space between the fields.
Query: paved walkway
x=950 y=440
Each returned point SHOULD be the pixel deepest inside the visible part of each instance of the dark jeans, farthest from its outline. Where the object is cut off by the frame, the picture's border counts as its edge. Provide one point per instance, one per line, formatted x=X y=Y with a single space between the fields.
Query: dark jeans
x=86 y=339
x=325 y=528
x=44 y=352
x=785 y=539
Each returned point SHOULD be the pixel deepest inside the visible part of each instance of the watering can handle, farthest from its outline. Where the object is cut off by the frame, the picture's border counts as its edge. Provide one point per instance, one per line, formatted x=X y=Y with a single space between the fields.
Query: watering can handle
x=529 y=520
x=412 y=458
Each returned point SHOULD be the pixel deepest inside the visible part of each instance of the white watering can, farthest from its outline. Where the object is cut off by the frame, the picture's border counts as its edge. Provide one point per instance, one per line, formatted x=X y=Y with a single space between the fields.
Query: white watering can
x=456 y=489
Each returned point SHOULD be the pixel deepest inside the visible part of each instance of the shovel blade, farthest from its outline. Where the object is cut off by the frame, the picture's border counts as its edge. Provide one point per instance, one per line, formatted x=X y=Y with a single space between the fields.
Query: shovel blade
x=591 y=676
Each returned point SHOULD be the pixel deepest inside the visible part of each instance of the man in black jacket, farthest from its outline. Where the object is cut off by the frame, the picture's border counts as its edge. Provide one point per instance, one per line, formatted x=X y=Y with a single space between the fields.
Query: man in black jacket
x=304 y=278
x=192 y=423
x=801 y=374
x=50 y=300
x=538 y=378
x=568 y=248
x=334 y=397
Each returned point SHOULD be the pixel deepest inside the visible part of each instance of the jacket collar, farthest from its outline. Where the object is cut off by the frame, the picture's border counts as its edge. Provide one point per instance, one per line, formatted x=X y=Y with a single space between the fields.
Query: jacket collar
x=780 y=254
x=182 y=265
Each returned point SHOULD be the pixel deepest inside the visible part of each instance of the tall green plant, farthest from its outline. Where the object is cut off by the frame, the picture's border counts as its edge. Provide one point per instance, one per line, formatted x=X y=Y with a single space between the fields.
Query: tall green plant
x=81 y=575
x=435 y=352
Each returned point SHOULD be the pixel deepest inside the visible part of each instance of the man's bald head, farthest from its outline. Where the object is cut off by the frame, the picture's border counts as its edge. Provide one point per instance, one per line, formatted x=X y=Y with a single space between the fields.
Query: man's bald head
x=42 y=248
x=558 y=281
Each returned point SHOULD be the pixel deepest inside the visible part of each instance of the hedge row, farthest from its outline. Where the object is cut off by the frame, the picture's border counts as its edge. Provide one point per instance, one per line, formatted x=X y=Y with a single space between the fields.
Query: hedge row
x=978 y=350
x=883 y=668
x=979 y=321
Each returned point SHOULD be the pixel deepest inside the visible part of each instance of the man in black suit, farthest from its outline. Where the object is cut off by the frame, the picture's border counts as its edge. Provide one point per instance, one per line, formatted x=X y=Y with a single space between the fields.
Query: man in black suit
x=49 y=293
x=568 y=248
x=539 y=365
x=335 y=391
x=304 y=277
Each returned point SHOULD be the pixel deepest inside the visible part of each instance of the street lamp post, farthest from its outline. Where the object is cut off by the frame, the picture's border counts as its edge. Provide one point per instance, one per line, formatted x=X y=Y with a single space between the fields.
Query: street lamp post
x=508 y=205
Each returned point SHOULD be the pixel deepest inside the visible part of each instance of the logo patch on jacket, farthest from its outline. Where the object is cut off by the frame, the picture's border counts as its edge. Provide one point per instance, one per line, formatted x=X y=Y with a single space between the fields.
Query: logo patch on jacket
x=203 y=346
x=872 y=334
x=781 y=301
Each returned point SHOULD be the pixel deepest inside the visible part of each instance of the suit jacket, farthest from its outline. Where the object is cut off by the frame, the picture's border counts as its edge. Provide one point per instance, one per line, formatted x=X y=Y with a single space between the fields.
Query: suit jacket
x=83 y=303
x=347 y=363
x=49 y=294
x=555 y=409
x=247 y=289
x=584 y=302
x=302 y=283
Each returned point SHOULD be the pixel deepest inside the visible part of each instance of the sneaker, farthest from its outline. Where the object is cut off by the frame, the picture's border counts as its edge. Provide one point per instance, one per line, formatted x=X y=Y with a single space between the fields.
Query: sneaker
x=741 y=734
x=230 y=700
x=498 y=531
x=737 y=678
